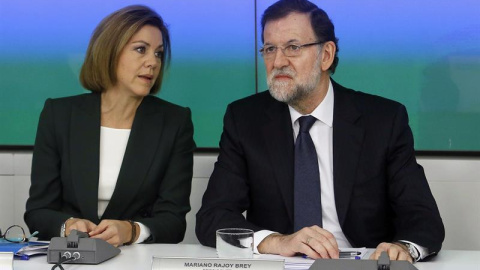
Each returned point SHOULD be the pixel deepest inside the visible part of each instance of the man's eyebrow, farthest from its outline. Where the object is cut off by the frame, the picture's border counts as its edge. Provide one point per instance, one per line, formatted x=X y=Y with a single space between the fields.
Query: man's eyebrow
x=288 y=42
x=292 y=41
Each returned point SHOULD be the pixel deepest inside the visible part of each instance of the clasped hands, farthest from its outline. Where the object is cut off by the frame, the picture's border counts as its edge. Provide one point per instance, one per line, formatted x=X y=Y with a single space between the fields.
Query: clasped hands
x=115 y=232
x=316 y=243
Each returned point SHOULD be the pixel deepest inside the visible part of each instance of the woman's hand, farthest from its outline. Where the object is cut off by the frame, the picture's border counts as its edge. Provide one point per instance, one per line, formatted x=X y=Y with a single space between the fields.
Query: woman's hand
x=115 y=232
x=81 y=225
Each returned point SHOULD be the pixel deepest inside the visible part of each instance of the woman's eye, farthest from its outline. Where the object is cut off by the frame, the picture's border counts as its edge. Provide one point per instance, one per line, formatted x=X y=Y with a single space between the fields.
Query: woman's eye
x=140 y=49
x=159 y=55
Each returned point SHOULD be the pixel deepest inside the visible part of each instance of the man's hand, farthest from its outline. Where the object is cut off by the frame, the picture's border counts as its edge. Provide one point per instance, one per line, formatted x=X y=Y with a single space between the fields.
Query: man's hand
x=314 y=242
x=81 y=225
x=115 y=232
x=396 y=252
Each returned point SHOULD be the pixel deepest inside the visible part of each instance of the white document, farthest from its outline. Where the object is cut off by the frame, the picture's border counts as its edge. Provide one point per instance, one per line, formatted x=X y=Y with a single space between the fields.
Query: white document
x=299 y=263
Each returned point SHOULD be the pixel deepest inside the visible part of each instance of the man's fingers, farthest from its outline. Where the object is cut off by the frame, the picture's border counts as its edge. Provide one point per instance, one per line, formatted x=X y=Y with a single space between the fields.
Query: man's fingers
x=318 y=250
x=328 y=236
x=404 y=256
x=393 y=253
x=324 y=248
x=380 y=248
x=316 y=243
x=402 y=253
x=327 y=240
x=375 y=255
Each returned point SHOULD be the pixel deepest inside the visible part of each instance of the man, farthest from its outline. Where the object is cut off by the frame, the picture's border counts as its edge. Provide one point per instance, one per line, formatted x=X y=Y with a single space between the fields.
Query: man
x=367 y=188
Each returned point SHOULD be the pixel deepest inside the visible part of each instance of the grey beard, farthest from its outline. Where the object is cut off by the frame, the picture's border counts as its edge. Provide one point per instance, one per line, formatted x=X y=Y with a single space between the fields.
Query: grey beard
x=299 y=92
x=279 y=90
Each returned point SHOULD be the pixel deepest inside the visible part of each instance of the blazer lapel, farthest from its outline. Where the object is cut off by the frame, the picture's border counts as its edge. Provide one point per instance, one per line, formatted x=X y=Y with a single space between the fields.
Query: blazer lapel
x=141 y=147
x=278 y=135
x=347 y=142
x=84 y=154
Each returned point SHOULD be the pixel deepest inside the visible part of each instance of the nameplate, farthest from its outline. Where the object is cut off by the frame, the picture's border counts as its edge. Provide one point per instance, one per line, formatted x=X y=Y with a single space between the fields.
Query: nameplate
x=6 y=260
x=182 y=263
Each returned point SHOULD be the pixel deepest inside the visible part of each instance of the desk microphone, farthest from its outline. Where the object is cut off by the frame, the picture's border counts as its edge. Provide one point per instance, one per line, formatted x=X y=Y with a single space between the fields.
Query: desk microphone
x=78 y=248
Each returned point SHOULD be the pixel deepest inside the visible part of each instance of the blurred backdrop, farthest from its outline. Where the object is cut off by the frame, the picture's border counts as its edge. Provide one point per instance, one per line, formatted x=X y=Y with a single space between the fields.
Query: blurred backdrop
x=424 y=54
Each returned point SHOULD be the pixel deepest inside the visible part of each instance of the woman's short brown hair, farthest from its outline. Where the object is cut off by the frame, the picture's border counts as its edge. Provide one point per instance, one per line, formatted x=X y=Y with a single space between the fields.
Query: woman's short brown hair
x=99 y=70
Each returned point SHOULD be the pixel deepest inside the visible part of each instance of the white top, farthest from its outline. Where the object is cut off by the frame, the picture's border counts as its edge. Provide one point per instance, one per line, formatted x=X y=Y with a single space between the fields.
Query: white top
x=322 y=136
x=113 y=143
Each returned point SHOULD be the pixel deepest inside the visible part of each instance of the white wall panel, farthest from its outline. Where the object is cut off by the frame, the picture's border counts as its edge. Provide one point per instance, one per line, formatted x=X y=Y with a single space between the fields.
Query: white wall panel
x=22 y=162
x=20 y=190
x=6 y=164
x=7 y=206
x=455 y=183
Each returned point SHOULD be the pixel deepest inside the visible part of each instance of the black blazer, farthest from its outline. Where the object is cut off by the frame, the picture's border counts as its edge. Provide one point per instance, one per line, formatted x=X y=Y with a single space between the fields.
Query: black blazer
x=381 y=193
x=154 y=182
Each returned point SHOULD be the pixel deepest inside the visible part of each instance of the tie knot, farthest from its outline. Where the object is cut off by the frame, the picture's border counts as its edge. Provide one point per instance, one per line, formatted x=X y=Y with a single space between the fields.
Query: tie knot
x=306 y=122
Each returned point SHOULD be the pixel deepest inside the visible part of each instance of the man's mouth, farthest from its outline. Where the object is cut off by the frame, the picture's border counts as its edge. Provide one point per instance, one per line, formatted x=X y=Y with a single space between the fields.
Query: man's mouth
x=282 y=76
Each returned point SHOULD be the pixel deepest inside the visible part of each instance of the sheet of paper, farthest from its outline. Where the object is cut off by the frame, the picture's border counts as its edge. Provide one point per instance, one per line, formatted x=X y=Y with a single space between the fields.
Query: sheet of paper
x=31 y=250
x=299 y=263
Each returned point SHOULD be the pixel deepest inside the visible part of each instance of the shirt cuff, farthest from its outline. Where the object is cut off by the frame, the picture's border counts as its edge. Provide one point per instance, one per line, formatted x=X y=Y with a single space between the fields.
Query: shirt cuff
x=423 y=251
x=258 y=238
x=144 y=233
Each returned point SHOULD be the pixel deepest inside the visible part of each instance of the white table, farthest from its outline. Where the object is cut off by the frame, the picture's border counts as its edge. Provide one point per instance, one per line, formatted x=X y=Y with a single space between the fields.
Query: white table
x=140 y=257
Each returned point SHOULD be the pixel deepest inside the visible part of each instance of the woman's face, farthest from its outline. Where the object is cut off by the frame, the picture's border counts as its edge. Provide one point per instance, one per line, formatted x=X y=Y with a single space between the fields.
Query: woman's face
x=139 y=62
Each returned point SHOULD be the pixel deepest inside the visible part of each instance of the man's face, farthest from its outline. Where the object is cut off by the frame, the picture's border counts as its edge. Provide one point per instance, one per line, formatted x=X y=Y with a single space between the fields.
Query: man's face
x=292 y=78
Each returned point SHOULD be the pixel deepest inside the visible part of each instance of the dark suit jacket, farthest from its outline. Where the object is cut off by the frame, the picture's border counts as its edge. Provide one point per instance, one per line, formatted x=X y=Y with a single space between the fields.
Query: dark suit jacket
x=154 y=182
x=381 y=193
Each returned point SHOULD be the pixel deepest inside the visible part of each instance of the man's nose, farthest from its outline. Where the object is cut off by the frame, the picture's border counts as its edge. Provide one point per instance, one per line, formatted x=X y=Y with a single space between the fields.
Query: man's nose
x=280 y=60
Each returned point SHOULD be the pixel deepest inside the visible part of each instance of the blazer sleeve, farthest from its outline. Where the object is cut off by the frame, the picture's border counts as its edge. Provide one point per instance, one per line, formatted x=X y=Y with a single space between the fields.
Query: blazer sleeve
x=44 y=205
x=167 y=222
x=227 y=194
x=416 y=217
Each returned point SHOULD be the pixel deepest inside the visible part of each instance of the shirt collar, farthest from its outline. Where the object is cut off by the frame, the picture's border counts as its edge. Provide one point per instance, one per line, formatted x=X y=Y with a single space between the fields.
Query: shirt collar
x=323 y=112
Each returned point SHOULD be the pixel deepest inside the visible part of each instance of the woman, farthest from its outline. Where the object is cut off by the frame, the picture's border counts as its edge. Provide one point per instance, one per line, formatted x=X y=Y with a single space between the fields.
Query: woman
x=116 y=163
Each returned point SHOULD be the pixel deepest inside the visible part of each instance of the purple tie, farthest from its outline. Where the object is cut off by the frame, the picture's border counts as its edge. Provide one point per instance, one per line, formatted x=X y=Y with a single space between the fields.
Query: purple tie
x=307 y=202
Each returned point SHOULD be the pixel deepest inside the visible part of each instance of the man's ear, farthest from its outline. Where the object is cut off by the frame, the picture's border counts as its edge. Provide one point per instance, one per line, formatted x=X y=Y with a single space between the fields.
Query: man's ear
x=328 y=54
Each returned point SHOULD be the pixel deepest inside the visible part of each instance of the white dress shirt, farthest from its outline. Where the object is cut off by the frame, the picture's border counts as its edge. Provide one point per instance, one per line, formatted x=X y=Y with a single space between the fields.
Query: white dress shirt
x=322 y=136
x=113 y=143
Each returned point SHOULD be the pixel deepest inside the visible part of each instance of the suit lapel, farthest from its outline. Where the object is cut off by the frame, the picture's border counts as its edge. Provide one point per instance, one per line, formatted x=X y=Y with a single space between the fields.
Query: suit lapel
x=84 y=154
x=347 y=143
x=141 y=147
x=278 y=135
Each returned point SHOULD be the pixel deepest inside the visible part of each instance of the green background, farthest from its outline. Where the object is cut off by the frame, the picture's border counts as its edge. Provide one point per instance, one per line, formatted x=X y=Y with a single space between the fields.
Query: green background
x=424 y=54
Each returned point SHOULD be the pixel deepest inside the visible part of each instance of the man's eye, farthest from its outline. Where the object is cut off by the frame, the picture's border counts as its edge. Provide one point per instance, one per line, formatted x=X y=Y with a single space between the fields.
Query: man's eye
x=140 y=49
x=293 y=48
x=270 y=49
